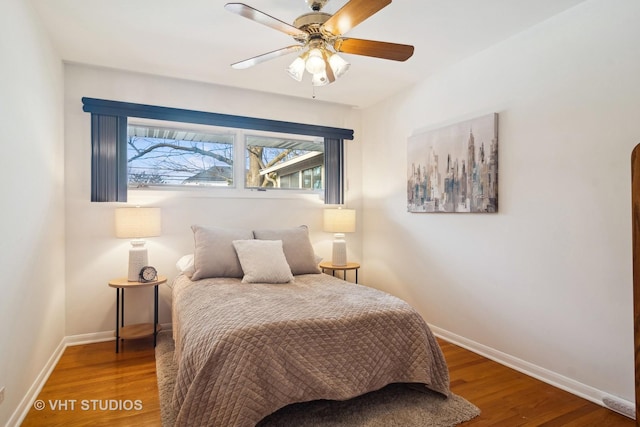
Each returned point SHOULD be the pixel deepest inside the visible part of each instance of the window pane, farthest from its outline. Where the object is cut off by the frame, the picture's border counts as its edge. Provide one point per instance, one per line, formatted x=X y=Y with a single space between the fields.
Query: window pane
x=290 y=181
x=317 y=178
x=306 y=178
x=279 y=162
x=166 y=156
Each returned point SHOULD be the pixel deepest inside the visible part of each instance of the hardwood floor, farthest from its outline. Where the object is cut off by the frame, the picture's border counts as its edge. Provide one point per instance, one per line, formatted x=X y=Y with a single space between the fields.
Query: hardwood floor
x=92 y=385
x=93 y=372
x=508 y=398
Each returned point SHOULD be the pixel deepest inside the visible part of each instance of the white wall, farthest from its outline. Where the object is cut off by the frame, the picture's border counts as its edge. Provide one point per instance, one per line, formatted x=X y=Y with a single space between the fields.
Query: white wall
x=32 y=211
x=94 y=255
x=549 y=278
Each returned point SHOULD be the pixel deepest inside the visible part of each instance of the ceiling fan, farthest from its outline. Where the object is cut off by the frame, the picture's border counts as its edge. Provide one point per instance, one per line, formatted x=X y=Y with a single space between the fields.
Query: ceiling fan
x=320 y=35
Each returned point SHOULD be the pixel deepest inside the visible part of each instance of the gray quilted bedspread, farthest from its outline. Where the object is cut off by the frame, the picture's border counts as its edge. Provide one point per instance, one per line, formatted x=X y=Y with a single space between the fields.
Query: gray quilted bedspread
x=245 y=350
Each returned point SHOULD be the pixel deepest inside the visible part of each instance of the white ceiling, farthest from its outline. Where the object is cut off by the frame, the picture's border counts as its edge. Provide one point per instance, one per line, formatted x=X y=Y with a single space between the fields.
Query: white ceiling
x=199 y=39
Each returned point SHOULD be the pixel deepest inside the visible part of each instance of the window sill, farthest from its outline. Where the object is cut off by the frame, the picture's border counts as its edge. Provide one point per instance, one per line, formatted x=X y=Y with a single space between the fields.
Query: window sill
x=192 y=192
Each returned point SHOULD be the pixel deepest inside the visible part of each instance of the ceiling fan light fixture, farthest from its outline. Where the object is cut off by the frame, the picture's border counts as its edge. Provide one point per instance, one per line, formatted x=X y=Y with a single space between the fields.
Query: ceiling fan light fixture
x=323 y=65
x=296 y=69
x=338 y=65
x=315 y=61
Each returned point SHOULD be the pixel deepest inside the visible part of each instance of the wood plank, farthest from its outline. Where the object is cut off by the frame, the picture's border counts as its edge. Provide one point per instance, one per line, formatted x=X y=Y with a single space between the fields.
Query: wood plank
x=505 y=397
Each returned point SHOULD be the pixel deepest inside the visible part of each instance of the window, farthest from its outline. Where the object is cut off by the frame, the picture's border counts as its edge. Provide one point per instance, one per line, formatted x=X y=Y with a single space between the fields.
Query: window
x=165 y=153
x=167 y=156
x=284 y=162
x=112 y=163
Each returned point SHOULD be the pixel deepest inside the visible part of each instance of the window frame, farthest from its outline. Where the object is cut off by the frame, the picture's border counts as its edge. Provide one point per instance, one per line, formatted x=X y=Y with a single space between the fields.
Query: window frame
x=109 y=140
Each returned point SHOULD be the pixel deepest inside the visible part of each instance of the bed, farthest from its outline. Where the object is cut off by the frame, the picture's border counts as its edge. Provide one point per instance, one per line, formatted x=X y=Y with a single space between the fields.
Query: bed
x=246 y=347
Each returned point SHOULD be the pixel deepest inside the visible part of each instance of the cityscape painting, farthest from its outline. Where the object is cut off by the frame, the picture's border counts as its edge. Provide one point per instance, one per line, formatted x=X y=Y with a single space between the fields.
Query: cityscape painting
x=454 y=168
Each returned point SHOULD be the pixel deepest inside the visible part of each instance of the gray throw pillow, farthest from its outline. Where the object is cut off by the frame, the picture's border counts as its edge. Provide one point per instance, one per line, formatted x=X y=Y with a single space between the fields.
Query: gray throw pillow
x=215 y=255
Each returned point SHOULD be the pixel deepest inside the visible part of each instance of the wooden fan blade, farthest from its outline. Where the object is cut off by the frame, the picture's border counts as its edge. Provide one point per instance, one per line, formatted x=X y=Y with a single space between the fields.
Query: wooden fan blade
x=265 y=57
x=351 y=14
x=264 y=19
x=384 y=50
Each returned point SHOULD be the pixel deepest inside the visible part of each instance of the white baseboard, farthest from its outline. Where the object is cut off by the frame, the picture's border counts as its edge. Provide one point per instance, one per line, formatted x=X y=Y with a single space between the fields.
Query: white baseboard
x=25 y=405
x=100 y=336
x=92 y=338
x=27 y=401
x=584 y=391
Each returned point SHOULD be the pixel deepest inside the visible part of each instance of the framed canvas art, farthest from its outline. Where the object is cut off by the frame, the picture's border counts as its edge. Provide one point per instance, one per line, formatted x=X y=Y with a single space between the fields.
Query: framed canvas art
x=454 y=168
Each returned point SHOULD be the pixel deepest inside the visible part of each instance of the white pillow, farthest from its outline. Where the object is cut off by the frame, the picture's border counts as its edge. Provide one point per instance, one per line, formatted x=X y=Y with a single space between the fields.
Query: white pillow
x=263 y=261
x=297 y=248
x=185 y=265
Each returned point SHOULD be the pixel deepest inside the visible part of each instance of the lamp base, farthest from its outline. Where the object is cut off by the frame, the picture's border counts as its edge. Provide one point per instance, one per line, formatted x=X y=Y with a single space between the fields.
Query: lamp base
x=339 y=253
x=138 y=258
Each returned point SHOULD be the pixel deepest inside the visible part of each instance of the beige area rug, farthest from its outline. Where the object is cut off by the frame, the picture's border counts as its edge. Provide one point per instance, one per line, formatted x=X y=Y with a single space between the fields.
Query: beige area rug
x=393 y=406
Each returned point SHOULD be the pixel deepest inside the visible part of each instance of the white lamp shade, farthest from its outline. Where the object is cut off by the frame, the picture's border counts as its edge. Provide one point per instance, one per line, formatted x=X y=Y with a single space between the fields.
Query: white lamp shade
x=320 y=79
x=315 y=62
x=136 y=223
x=132 y=223
x=338 y=65
x=340 y=220
x=296 y=69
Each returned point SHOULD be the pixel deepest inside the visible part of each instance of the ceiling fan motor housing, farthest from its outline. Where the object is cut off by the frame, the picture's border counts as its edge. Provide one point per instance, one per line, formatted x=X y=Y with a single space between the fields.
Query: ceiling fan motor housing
x=312 y=20
x=311 y=23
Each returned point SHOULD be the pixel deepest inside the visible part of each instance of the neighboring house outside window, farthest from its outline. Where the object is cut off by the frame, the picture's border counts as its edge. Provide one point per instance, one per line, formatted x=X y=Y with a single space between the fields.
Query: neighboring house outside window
x=305 y=171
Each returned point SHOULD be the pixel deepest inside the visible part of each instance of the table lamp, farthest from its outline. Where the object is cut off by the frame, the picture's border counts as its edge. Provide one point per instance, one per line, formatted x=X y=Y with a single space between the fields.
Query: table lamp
x=136 y=223
x=339 y=221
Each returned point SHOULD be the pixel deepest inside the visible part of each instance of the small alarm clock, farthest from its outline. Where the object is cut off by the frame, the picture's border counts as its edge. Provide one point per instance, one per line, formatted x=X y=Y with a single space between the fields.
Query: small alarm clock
x=148 y=274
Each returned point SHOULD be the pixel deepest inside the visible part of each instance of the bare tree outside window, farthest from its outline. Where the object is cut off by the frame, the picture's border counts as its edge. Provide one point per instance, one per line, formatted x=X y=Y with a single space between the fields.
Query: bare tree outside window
x=165 y=156
x=173 y=157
